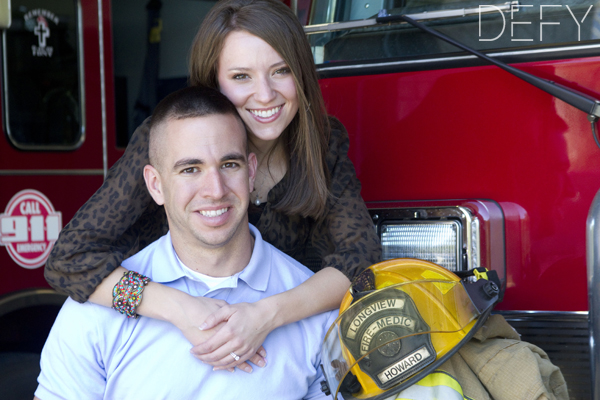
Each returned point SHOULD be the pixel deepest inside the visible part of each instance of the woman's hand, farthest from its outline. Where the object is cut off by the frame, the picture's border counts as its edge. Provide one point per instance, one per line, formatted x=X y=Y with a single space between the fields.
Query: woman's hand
x=246 y=325
x=242 y=328
x=193 y=312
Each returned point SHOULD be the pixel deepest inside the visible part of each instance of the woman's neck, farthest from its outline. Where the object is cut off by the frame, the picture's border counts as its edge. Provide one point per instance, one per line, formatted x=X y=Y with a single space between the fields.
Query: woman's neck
x=272 y=167
x=262 y=148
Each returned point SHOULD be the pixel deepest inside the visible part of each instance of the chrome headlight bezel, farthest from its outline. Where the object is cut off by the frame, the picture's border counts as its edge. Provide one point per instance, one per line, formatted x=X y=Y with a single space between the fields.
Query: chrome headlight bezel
x=480 y=223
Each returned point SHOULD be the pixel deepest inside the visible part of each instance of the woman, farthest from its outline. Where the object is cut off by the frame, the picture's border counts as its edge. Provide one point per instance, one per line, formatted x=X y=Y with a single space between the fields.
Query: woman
x=306 y=201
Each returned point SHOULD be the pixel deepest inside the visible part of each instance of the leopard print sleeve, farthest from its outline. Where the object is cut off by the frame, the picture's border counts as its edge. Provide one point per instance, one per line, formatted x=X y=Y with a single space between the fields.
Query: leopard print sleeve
x=117 y=221
x=348 y=228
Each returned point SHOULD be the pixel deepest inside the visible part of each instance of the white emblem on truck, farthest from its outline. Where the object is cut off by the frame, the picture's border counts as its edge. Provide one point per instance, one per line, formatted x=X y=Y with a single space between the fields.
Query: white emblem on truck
x=29 y=227
x=38 y=21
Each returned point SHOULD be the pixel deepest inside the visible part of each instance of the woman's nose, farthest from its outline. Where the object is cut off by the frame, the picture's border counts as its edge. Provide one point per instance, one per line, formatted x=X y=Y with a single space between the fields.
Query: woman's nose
x=265 y=93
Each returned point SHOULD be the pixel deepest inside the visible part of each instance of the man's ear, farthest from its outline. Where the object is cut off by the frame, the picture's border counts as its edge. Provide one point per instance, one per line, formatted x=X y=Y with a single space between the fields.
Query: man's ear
x=252 y=165
x=154 y=185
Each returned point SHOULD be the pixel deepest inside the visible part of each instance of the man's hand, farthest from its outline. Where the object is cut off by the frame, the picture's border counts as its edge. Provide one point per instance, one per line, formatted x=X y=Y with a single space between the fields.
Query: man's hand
x=242 y=329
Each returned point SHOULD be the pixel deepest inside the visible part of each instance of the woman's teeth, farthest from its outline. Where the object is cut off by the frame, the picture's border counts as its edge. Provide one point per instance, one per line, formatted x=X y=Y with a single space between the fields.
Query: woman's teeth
x=266 y=113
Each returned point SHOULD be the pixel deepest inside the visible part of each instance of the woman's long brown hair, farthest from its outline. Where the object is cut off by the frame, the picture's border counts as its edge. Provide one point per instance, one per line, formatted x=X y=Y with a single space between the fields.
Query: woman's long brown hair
x=307 y=137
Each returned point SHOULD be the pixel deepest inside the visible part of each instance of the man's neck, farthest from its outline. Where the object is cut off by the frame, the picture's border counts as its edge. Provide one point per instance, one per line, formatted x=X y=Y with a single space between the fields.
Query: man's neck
x=225 y=260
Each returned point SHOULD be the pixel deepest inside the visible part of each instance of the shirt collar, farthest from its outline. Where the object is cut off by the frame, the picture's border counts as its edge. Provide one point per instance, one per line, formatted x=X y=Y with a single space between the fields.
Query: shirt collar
x=168 y=268
x=257 y=272
x=165 y=266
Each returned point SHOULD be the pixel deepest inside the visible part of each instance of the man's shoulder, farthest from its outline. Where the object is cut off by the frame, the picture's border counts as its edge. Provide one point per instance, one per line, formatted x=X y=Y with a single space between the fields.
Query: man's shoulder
x=287 y=265
x=86 y=316
x=156 y=254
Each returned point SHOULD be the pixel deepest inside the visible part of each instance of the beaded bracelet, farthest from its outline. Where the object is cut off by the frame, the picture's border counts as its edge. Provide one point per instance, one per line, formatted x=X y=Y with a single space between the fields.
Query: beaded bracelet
x=127 y=294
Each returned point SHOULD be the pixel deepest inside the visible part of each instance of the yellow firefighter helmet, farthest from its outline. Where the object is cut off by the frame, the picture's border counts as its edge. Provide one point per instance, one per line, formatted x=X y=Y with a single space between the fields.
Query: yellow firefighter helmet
x=400 y=320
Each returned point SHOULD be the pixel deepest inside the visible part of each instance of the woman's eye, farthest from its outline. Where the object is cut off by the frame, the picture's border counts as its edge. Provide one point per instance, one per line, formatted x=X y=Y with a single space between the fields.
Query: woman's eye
x=283 y=71
x=239 y=77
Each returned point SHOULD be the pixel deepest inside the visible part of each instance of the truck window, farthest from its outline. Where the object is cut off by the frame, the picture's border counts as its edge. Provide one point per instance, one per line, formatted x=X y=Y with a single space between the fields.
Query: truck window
x=151 y=42
x=42 y=77
x=483 y=25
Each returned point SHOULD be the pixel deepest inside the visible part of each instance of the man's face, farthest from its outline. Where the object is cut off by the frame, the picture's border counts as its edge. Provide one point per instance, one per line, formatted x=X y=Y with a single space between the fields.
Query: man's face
x=203 y=178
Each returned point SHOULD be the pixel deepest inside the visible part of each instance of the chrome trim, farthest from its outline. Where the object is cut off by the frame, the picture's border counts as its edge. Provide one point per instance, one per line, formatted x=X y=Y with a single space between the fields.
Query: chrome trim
x=469 y=235
x=322 y=67
x=338 y=26
x=102 y=87
x=391 y=63
x=81 y=74
x=37 y=172
x=80 y=78
x=543 y=314
x=547 y=50
x=470 y=241
x=424 y=16
x=294 y=6
x=593 y=263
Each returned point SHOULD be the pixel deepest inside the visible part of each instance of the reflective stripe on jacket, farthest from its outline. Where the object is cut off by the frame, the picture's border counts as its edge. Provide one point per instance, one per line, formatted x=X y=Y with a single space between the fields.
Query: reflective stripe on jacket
x=438 y=385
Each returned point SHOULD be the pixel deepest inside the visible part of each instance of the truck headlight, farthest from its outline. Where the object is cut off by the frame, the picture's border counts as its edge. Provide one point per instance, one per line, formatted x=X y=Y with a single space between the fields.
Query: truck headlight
x=456 y=234
x=439 y=242
x=447 y=236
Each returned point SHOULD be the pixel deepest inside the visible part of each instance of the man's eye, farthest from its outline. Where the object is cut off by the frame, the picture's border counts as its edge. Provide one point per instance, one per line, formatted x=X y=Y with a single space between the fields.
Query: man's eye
x=230 y=165
x=189 y=170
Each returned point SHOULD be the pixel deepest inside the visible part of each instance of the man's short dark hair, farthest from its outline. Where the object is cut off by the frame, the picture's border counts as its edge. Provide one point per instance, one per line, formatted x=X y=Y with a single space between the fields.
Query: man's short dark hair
x=189 y=102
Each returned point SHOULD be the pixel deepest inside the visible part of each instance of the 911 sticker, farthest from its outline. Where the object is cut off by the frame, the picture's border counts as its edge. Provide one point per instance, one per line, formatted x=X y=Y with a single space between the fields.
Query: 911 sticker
x=29 y=227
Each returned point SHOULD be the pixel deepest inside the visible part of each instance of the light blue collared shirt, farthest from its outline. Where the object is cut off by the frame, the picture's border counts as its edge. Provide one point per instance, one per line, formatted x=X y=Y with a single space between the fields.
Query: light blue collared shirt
x=94 y=353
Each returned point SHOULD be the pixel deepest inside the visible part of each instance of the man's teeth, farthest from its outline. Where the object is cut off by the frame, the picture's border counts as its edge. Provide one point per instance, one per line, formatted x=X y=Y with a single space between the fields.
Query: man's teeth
x=266 y=113
x=213 y=213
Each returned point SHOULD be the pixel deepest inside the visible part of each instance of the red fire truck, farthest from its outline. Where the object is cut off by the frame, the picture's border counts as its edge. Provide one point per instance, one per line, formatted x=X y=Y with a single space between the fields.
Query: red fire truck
x=462 y=163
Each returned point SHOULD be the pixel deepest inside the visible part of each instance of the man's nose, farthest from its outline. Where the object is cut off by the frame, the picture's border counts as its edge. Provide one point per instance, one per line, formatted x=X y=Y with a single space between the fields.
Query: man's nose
x=214 y=185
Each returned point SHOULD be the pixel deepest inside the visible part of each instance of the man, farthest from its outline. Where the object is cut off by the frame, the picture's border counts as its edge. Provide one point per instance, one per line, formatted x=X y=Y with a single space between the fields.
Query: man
x=203 y=175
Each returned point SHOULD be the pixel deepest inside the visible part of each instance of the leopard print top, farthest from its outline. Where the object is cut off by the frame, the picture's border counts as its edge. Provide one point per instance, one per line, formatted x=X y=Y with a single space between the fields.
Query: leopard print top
x=121 y=218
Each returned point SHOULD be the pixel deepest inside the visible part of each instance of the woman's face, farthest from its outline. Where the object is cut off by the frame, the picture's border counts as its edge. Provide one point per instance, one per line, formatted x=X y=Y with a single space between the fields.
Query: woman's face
x=259 y=83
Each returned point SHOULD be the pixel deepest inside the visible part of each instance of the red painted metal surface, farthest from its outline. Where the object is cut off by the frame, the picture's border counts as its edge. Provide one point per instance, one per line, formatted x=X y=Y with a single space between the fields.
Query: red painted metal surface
x=67 y=191
x=481 y=133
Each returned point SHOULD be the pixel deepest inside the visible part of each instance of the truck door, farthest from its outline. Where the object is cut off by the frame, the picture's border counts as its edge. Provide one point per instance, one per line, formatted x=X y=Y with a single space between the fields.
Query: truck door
x=57 y=110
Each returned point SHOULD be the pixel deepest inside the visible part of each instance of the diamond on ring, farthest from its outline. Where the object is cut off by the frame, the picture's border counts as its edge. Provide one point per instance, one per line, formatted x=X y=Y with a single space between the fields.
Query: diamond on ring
x=235 y=356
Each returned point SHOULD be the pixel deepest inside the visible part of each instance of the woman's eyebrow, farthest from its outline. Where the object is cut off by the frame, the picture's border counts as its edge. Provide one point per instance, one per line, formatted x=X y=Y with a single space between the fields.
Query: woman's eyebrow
x=277 y=64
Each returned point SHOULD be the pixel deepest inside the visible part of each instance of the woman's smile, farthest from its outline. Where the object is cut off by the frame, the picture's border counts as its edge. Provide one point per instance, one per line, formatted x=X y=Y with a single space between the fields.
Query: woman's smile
x=263 y=114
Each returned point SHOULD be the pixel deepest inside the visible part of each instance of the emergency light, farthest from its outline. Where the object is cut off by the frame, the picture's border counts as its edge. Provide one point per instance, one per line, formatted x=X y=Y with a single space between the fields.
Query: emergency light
x=446 y=236
x=438 y=242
